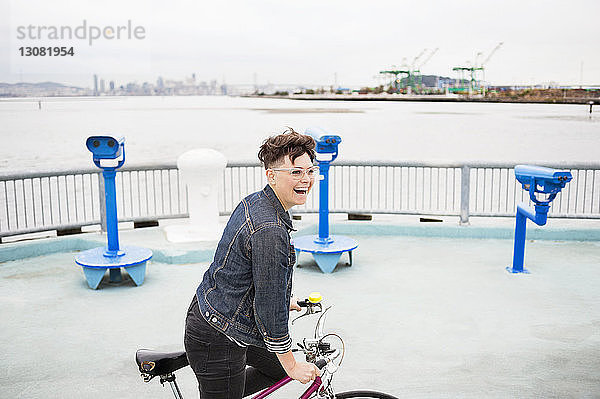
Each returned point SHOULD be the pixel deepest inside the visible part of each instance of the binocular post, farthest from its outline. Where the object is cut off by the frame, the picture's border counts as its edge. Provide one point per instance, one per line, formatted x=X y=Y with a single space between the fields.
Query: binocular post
x=112 y=230
x=539 y=217
x=323 y=237
x=536 y=180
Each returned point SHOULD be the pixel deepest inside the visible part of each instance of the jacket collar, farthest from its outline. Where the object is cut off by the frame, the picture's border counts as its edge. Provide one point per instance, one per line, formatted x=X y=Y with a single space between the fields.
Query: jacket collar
x=283 y=214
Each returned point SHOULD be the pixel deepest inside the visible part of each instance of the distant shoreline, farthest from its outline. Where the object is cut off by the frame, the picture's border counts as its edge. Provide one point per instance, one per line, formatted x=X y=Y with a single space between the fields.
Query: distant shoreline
x=430 y=98
x=340 y=97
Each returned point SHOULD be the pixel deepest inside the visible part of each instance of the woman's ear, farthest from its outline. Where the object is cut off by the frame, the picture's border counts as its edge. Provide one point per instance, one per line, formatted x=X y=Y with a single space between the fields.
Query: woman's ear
x=270 y=176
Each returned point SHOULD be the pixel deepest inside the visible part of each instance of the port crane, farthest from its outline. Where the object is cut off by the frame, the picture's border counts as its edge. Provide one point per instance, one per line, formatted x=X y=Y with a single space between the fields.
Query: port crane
x=397 y=75
x=485 y=63
x=413 y=79
x=471 y=70
x=404 y=76
x=417 y=72
x=463 y=71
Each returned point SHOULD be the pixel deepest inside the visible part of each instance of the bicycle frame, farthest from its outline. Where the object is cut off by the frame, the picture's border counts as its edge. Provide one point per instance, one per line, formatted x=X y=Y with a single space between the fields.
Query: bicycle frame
x=316 y=352
x=312 y=389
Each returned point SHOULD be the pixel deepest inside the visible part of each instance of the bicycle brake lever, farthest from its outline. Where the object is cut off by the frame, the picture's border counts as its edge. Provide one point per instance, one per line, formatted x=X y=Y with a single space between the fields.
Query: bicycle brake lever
x=311 y=308
x=308 y=311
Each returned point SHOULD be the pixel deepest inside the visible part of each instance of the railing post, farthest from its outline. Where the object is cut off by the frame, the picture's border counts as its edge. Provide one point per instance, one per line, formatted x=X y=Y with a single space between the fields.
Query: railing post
x=465 y=191
x=102 y=199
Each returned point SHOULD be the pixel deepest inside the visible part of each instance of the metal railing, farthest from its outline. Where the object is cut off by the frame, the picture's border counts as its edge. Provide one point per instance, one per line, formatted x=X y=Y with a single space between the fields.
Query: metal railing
x=451 y=189
x=66 y=200
x=69 y=199
x=48 y=200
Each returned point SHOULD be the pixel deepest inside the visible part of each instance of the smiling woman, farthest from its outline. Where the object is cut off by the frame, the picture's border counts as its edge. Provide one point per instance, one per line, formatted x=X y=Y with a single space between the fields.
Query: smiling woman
x=239 y=316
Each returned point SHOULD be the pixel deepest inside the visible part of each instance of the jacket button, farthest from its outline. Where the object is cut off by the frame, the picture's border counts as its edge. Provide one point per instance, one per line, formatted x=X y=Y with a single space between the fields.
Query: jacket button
x=214 y=319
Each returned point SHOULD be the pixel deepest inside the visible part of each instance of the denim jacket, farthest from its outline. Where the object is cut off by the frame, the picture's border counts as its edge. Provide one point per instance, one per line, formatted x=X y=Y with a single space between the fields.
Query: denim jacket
x=245 y=293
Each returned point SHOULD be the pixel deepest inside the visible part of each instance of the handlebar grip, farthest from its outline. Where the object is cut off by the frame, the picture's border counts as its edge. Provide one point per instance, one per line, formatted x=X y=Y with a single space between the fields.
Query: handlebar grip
x=303 y=304
x=321 y=363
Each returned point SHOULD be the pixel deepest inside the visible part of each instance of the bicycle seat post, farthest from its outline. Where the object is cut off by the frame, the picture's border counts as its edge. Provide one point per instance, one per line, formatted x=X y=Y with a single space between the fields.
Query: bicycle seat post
x=170 y=378
x=161 y=364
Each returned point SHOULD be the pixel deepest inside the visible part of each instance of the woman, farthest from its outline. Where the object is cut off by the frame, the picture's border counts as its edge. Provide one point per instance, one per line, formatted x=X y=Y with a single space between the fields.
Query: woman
x=239 y=316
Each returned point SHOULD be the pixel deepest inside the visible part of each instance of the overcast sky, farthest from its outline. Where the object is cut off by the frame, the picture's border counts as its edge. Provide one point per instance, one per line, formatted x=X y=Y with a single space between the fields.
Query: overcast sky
x=308 y=41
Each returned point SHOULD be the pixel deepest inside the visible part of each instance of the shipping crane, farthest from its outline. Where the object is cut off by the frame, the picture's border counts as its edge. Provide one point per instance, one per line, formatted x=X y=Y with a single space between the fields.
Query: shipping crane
x=397 y=77
x=417 y=58
x=466 y=72
x=473 y=69
x=417 y=72
x=403 y=77
x=485 y=63
x=413 y=80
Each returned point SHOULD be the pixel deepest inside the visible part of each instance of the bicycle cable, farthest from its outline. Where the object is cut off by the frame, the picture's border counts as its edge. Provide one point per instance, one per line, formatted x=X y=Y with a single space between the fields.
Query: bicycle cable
x=343 y=346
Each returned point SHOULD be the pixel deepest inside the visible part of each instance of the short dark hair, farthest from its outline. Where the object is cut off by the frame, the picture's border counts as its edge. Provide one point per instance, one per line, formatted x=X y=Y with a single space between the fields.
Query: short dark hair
x=290 y=143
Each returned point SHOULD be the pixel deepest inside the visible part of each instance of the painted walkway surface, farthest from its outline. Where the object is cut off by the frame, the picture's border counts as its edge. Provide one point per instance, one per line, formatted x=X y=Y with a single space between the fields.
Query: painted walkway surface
x=422 y=317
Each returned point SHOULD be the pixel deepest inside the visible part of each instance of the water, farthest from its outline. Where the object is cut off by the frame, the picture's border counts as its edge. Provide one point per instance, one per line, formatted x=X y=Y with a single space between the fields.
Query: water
x=162 y=128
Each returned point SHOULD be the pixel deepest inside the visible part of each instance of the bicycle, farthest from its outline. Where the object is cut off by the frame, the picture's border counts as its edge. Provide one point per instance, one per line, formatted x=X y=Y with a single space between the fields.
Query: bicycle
x=164 y=364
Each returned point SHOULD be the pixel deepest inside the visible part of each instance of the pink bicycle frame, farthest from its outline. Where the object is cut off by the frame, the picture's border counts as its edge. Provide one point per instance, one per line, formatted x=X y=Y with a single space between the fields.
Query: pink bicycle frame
x=312 y=389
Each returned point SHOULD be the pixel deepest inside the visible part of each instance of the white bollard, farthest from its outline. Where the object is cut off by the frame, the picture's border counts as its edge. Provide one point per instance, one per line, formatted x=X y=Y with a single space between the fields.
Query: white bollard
x=200 y=171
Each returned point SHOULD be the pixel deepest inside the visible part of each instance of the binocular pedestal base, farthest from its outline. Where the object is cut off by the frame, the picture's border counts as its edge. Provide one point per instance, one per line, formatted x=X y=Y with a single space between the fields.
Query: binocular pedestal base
x=95 y=264
x=325 y=254
x=510 y=269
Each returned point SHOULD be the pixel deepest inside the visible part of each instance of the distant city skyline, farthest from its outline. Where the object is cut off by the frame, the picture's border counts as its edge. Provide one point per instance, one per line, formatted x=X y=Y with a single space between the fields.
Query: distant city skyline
x=311 y=43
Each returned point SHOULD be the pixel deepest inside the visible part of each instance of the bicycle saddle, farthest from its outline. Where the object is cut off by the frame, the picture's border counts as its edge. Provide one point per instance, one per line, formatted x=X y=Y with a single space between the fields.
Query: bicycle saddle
x=155 y=363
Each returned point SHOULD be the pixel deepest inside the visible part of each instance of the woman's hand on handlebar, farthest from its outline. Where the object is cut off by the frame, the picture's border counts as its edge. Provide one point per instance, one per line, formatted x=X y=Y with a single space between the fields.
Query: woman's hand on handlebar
x=300 y=371
x=304 y=372
x=294 y=304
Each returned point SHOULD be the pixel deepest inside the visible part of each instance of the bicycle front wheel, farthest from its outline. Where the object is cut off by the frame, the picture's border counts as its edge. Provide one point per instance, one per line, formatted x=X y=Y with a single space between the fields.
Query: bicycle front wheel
x=363 y=394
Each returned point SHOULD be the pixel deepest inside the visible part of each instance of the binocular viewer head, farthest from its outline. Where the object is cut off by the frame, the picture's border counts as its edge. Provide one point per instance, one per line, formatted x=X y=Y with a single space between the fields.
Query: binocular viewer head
x=326 y=143
x=541 y=180
x=545 y=180
x=105 y=147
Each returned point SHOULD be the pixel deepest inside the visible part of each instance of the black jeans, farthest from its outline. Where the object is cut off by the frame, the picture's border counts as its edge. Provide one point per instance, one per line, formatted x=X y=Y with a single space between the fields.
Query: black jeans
x=220 y=364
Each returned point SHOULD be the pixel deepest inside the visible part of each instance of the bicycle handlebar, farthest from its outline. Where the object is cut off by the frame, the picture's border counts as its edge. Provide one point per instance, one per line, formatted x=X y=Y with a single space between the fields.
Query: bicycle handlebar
x=312 y=305
x=313 y=299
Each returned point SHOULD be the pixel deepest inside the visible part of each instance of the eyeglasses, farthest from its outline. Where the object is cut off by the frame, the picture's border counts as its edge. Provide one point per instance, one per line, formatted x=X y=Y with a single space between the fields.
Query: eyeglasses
x=298 y=173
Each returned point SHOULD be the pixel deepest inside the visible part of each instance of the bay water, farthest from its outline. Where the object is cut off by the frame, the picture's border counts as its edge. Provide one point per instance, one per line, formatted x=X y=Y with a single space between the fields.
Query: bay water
x=51 y=134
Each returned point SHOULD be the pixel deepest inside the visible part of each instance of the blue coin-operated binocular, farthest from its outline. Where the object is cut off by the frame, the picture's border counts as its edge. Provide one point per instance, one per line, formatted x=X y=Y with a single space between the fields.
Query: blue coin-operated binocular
x=325 y=143
x=326 y=147
x=106 y=147
x=536 y=180
x=326 y=249
x=112 y=257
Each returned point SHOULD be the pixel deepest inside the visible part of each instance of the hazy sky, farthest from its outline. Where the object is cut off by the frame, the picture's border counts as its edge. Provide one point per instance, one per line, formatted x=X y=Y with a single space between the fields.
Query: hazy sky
x=307 y=41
